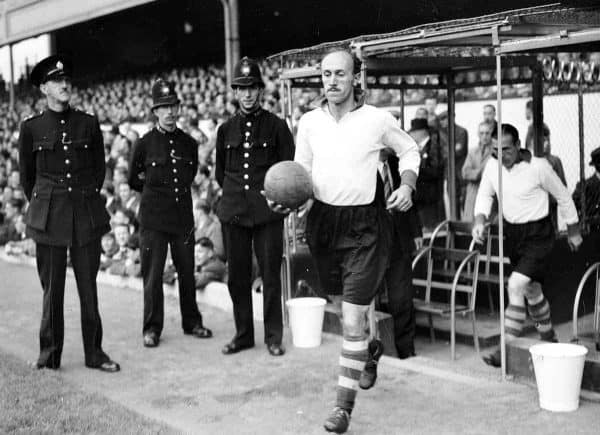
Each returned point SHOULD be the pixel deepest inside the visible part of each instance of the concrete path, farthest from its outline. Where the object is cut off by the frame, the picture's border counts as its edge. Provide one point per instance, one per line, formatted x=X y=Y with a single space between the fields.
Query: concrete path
x=188 y=384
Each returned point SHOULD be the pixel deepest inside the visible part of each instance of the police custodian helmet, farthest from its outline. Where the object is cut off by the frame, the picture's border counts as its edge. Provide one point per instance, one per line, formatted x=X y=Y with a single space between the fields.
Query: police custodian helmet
x=247 y=73
x=163 y=94
x=50 y=68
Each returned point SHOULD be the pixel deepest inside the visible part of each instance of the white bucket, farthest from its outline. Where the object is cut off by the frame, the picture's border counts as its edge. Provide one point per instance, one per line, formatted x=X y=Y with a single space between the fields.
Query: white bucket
x=558 y=371
x=306 y=320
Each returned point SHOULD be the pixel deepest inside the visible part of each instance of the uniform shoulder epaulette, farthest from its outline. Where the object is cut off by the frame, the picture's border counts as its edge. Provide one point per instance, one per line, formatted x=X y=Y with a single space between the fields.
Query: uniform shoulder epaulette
x=35 y=115
x=85 y=112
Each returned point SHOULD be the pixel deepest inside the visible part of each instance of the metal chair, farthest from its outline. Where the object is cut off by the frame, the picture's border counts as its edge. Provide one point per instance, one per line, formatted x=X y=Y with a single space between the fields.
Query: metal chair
x=467 y=270
x=593 y=268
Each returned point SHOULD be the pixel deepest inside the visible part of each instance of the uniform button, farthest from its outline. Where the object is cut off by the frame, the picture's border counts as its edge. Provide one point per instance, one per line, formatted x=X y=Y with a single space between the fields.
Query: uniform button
x=246 y=187
x=174 y=170
x=247 y=133
x=171 y=141
x=35 y=194
x=62 y=121
x=172 y=151
x=39 y=148
x=69 y=189
x=173 y=161
x=67 y=161
x=248 y=124
x=175 y=180
x=176 y=190
x=246 y=155
x=153 y=163
x=246 y=145
x=65 y=148
x=85 y=146
x=265 y=145
x=68 y=175
x=176 y=199
x=246 y=165
x=245 y=176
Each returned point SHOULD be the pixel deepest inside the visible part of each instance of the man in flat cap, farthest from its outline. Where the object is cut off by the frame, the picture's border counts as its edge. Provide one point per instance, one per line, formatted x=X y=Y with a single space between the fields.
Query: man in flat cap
x=168 y=159
x=248 y=144
x=587 y=197
x=62 y=170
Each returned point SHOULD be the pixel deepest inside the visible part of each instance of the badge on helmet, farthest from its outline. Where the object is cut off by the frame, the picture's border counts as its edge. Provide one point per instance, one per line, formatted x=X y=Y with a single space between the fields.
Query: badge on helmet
x=163 y=94
x=247 y=73
x=50 y=68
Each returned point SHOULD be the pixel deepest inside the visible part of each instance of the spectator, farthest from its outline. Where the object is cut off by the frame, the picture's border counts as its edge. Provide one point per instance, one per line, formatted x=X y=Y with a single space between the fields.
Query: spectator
x=128 y=199
x=8 y=231
x=489 y=116
x=473 y=167
x=23 y=245
x=590 y=190
x=109 y=249
x=428 y=196
x=209 y=267
x=461 y=148
x=126 y=261
x=209 y=227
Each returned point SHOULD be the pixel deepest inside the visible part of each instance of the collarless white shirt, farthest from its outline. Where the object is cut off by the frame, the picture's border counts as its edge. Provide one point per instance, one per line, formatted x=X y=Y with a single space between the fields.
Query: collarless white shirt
x=525 y=192
x=342 y=156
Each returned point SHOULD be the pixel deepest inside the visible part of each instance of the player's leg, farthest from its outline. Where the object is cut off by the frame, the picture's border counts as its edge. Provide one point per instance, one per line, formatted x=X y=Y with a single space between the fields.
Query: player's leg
x=539 y=310
x=352 y=361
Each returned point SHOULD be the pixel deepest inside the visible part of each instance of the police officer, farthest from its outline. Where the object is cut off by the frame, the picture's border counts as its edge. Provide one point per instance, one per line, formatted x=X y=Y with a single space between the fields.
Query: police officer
x=163 y=166
x=248 y=144
x=62 y=169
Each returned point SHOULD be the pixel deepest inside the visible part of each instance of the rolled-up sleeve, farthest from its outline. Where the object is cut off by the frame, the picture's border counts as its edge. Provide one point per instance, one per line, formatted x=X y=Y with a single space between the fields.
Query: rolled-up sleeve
x=551 y=182
x=405 y=148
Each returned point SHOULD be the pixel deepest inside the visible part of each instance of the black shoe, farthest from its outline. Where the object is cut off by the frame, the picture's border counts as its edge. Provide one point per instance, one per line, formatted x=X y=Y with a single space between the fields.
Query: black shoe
x=369 y=373
x=406 y=352
x=233 y=347
x=150 y=339
x=107 y=366
x=199 y=332
x=276 y=349
x=338 y=421
x=38 y=366
x=494 y=359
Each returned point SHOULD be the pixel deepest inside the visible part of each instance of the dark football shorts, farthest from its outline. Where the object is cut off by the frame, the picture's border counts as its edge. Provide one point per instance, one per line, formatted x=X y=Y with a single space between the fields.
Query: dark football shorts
x=350 y=246
x=529 y=246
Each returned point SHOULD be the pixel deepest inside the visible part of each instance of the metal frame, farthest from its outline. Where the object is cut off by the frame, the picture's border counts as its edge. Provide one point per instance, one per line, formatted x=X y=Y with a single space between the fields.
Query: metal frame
x=521 y=31
x=593 y=268
x=471 y=290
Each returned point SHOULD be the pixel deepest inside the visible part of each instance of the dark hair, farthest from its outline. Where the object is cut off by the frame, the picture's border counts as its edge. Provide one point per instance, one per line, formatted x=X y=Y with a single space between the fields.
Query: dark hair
x=510 y=130
x=204 y=170
x=490 y=105
x=356 y=62
x=205 y=242
x=545 y=130
x=16 y=203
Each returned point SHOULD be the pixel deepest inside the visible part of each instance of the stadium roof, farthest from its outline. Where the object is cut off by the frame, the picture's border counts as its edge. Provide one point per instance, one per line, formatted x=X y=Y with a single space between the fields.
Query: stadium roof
x=559 y=24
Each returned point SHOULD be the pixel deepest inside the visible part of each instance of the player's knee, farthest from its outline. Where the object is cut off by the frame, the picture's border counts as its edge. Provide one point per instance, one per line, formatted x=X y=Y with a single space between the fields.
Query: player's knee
x=353 y=321
x=533 y=290
x=517 y=284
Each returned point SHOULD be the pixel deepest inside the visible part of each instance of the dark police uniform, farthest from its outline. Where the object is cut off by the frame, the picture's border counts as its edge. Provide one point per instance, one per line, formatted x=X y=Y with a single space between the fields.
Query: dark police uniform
x=169 y=162
x=62 y=170
x=247 y=146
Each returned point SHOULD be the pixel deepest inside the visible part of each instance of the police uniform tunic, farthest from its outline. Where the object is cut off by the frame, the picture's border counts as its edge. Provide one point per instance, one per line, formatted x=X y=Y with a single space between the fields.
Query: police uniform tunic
x=62 y=170
x=169 y=162
x=247 y=146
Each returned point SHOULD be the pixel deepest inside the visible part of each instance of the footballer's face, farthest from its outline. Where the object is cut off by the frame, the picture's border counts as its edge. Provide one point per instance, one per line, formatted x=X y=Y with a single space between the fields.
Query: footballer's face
x=337 y=73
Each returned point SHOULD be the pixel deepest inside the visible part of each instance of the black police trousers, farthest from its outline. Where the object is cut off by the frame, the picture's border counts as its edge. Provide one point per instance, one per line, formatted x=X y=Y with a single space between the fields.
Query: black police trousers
x=154 y=245
x=398 y=280
x=51 y=265
x=268 y=246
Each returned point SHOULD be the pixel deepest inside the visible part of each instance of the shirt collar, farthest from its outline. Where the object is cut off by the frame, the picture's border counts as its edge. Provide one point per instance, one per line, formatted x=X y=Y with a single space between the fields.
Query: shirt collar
x=163 y=131
x=360 y=98
x=252 y=114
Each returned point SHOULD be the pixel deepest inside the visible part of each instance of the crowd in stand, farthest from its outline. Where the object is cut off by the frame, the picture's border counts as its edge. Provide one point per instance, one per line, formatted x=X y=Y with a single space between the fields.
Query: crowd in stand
x=123 y=110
